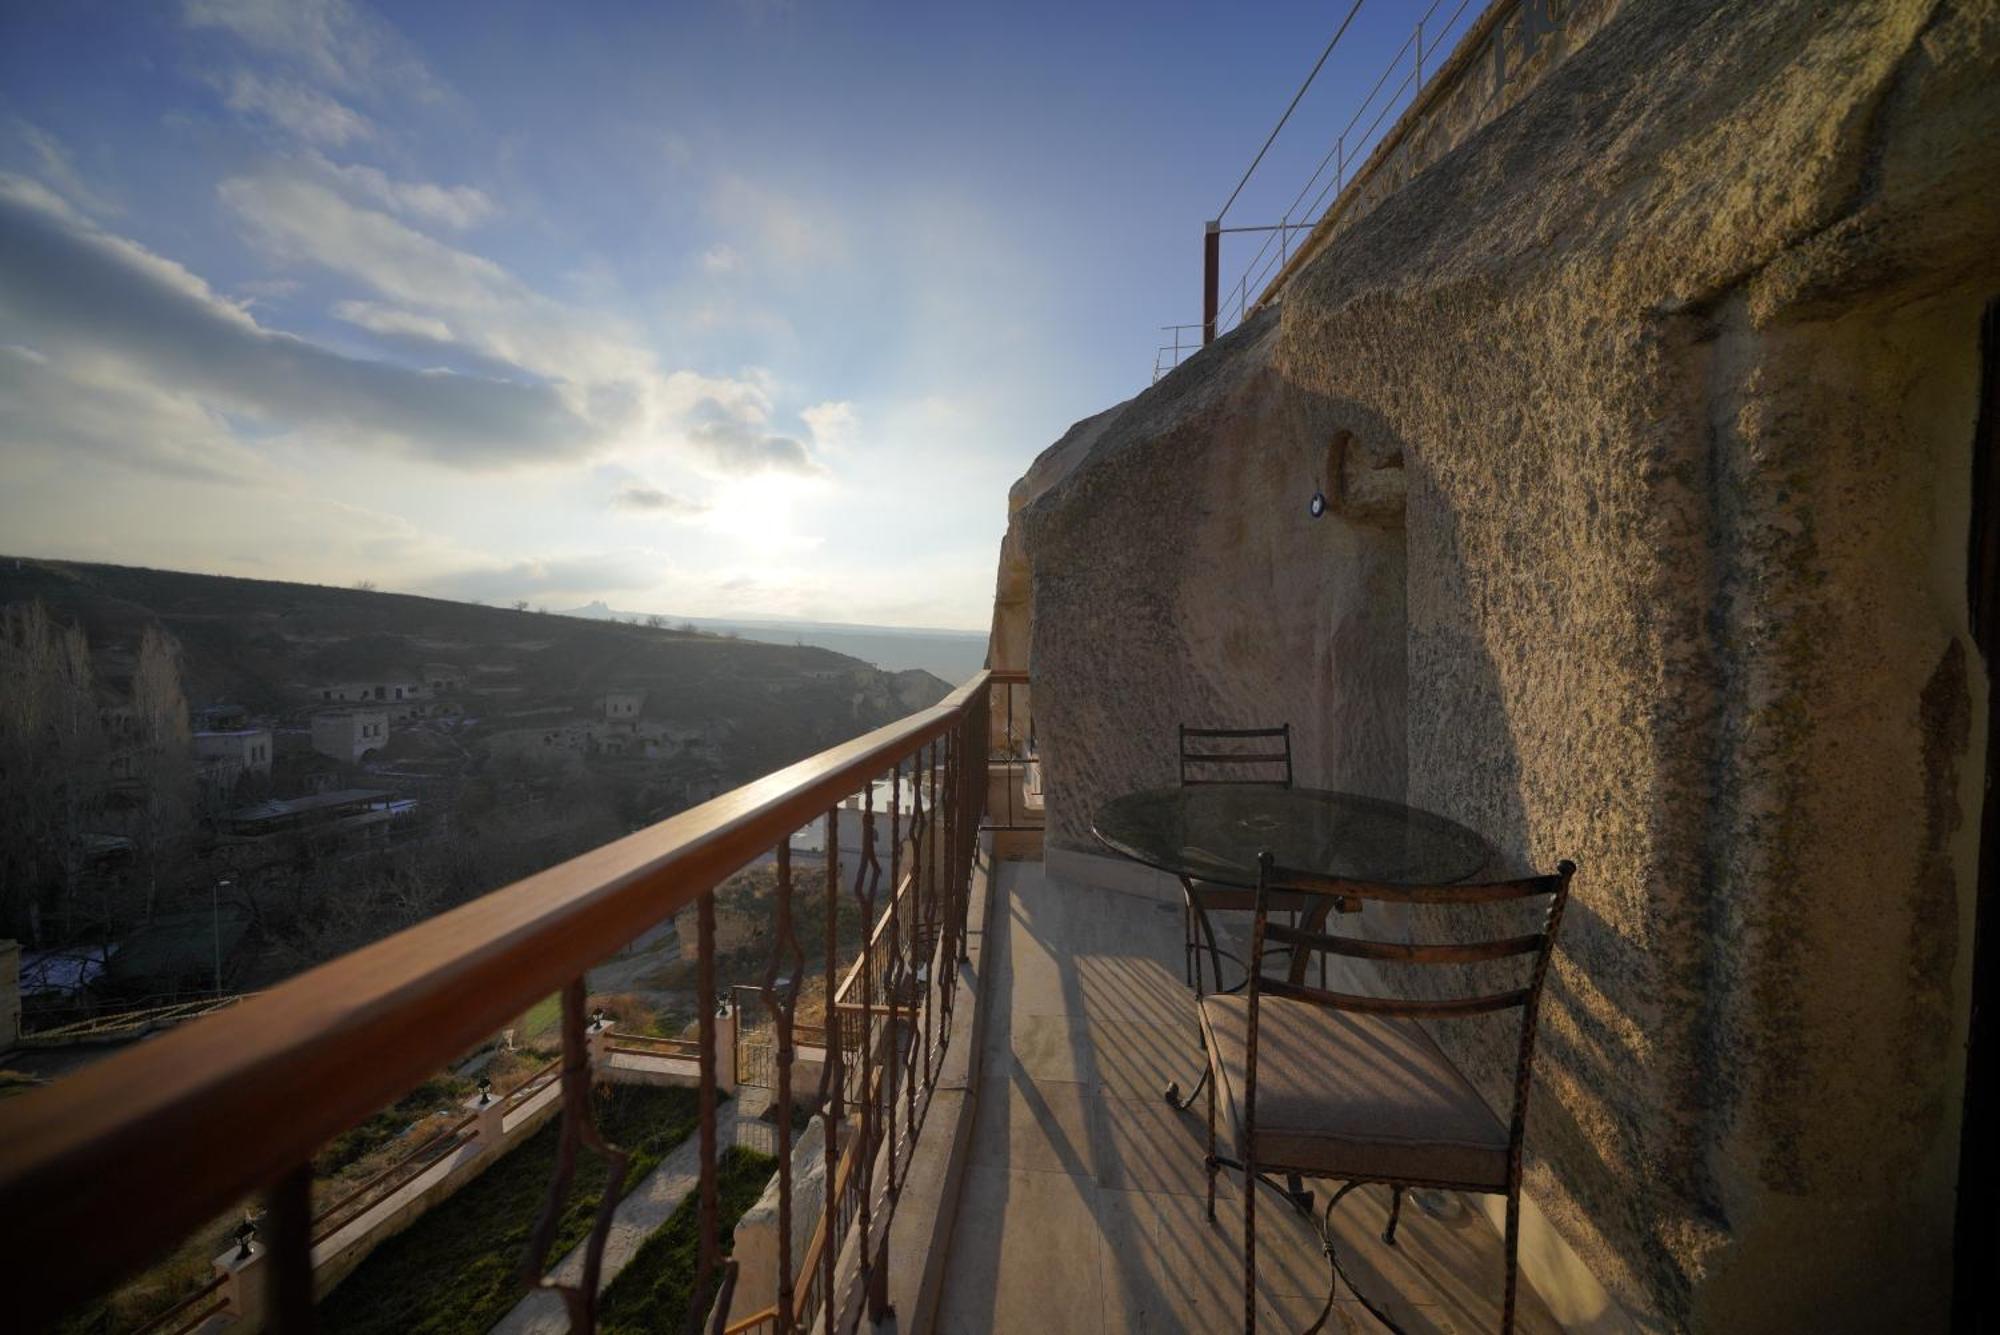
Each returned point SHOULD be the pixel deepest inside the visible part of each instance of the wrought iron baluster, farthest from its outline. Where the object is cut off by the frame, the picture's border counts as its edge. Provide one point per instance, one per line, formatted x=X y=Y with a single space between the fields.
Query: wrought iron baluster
x=898 y=970
x=782 y=1003
x=921 y=910
x=579 y=1127
x=832 y=1111
x=710 y=1221
x=867 y=879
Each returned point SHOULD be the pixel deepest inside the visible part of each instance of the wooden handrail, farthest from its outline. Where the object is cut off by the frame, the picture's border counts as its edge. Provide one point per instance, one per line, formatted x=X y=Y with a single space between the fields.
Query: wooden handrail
x=143 y=1147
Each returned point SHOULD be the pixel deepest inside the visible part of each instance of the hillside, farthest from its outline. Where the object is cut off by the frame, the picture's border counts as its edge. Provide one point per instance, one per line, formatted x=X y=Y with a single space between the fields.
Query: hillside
x=270 y=647
x=953 y=655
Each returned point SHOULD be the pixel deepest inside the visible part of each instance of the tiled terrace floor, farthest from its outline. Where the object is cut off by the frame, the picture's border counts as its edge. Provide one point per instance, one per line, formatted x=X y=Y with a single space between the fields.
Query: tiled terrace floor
x=1082 y=1204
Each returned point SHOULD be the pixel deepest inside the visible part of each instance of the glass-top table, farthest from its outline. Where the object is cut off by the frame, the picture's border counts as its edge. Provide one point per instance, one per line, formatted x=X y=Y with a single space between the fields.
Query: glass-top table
x=1214 y=832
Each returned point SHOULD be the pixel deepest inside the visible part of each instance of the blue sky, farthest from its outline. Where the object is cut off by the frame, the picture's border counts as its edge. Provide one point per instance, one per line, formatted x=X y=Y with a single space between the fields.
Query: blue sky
x=748 y=309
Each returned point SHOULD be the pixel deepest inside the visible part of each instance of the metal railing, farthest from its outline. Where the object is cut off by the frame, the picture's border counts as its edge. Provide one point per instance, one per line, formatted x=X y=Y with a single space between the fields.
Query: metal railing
x=1353 y=143
x=127 y=1024
x=121 y=1160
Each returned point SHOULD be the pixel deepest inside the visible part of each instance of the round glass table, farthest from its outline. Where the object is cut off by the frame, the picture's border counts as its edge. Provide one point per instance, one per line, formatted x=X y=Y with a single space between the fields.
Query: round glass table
x=1214 y=832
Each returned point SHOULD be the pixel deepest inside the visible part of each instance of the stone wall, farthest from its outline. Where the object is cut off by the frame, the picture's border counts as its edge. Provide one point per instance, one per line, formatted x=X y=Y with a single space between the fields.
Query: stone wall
x=1503 y=56
x=1645 y=417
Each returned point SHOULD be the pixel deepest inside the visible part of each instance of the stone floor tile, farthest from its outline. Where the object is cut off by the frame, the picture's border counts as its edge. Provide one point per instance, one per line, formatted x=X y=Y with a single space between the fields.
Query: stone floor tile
x=1024 y=1256
x=1044 y=1126
x=1145 y=1145
x=1045 y=1048
x=1132 y=987
x=1138 y=1059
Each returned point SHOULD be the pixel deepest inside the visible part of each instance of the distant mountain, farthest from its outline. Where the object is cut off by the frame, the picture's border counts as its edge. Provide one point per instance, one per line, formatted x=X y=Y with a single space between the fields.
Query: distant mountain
x=953 y=655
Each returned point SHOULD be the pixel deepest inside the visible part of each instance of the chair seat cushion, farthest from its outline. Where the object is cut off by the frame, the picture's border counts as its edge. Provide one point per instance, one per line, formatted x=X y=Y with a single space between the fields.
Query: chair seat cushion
x=1351 y=1096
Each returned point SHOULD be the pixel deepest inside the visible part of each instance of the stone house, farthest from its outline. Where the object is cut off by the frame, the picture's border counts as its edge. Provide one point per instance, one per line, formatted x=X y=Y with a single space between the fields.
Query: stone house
x=224 y=757
x=622 y=705
x=348 y=735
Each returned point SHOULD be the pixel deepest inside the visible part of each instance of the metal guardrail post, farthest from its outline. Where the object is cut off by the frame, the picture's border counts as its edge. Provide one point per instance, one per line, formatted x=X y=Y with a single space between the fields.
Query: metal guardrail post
x=1211 y=278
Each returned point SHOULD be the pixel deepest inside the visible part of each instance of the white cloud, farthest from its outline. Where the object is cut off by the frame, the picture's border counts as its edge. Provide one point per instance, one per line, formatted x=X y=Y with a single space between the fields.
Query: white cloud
x=339 y=44
x=258 y=290
x=595 y=361
x=721 y=258
x=835 y=425
x=303 y=111
x=642 y=499
x=58 y=167
x=89 y=300
x=726 y=426
x=96 y=406
x=379 y=319
x=455 y=206
x=488 y=308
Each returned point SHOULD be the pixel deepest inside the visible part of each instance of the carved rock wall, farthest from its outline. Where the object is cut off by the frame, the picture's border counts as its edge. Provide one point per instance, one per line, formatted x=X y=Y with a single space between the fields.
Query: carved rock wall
x=1646 y=419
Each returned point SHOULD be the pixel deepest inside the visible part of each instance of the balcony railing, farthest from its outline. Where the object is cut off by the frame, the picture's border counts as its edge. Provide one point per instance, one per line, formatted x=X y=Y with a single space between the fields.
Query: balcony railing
x=111 y=1166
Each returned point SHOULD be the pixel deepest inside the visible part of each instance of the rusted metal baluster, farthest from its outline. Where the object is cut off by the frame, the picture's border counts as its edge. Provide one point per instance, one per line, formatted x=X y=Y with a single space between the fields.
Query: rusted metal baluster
x=579 y=1127
x=289 y=1273
x=948 y=903
x=867 y=880
x=710 y=1221
x=921 y=823
x=899 y=971
x=781 y=1003
x=914 y=976
x=832 y=1110
x=944 y=806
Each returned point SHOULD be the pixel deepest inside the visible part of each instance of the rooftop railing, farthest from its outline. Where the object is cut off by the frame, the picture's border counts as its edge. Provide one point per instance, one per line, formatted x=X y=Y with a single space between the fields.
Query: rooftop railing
x=114 y=1164
x=1353 y=150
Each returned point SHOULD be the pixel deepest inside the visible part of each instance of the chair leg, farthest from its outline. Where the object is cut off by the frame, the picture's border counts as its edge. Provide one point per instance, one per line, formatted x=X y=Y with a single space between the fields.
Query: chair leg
x=1172 y=1093
x=1211 y=1163
x=1395 y=1213
x=1513 y=1260
x=1249 y=1243
x=1187 y=944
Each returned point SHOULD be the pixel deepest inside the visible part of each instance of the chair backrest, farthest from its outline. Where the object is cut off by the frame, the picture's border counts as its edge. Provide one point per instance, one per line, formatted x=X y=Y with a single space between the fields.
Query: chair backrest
x=1236 y=755
x=1536 y=947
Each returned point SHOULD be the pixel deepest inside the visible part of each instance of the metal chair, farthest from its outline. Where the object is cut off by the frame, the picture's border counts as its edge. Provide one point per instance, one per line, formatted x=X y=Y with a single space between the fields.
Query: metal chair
x=1221 y=756
x=1218 y=756
x=1350 y=1087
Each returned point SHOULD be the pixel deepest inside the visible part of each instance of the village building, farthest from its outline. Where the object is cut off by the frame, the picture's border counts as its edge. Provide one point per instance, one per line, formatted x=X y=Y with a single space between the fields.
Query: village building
x=442 y=677
x=223 y=757
x=349 y=734
x=373 y=692
x=623 y=704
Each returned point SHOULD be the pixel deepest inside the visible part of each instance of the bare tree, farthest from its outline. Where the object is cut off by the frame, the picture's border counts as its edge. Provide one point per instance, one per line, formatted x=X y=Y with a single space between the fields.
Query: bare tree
x=520 y=604
x=365 y=585
x=52 y=766
x=656 y=621
x=162 y=760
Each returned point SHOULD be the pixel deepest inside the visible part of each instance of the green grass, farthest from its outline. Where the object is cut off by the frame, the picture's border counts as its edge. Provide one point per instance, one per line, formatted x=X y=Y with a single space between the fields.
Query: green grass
x=542 y=1021
x=442 y=1092
x=652 y=1292
x=453 y=1272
